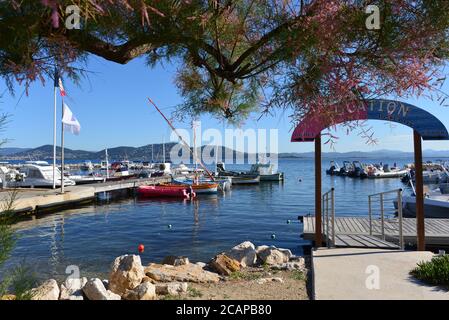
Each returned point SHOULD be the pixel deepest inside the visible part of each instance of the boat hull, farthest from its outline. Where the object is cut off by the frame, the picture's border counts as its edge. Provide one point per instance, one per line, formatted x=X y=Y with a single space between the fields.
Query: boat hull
x=236 y=180
x=432 y=208
x=164 y=191
x=272 y=177
x=385 y=175
x=201 y=188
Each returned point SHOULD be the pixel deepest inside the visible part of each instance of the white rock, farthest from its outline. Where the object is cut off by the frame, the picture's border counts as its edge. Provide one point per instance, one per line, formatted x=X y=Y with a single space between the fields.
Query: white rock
x=172 y=288
x=265 y=280
x=49 y=290
x=201 y=264
x=245 y=253
x=126 y=274
x=144 y=291
x=71 y=289
x=272 y=255
x=175 y=260
x=95 y=290
x=183 y=273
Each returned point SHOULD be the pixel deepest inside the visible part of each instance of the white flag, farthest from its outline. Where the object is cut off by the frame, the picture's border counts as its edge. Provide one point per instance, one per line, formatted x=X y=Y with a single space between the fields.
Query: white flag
x=70 y=122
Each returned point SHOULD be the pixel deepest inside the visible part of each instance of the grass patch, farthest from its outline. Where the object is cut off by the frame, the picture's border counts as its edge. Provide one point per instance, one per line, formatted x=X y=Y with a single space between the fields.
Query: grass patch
x=298 y=275
x=434 y=272
x=194 y=293
x=248 y=276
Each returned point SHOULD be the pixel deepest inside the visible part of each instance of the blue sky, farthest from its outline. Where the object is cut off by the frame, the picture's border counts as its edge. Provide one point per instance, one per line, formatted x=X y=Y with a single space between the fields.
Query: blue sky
x=112 y=109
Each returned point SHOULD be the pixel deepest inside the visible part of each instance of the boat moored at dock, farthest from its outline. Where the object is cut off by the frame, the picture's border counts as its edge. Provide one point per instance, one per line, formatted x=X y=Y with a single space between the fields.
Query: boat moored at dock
x=39 y=174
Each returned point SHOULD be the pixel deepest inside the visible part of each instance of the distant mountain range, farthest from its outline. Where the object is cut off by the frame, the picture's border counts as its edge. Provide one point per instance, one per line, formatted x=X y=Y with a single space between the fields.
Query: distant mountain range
x=387 y=154
x=155 y=152
x=145 y=153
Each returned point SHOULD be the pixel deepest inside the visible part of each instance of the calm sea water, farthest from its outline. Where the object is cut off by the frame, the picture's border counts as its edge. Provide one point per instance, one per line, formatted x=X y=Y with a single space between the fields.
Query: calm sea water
x=91 y=237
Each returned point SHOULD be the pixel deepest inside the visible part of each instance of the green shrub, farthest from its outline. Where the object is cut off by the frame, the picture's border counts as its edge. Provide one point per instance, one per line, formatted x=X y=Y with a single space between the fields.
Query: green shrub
x=434 y=272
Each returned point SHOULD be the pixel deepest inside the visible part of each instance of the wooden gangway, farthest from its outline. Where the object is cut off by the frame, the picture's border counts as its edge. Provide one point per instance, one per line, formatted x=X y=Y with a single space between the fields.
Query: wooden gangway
x=355 y=231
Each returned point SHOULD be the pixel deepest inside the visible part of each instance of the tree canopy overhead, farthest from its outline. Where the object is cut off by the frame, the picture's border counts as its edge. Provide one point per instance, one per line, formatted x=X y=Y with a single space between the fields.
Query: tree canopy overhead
x=235 y=56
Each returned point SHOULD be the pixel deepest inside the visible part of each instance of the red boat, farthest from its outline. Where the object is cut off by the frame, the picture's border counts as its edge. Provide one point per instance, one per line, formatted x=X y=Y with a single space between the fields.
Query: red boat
x=164 y=191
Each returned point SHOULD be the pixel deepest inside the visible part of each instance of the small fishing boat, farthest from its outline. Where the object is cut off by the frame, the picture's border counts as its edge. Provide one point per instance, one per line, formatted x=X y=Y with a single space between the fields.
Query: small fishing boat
x=224 y=183
x=198 y=187
x=334 y=169
x=160 y=191
x=245 y=179
x=267 y=172
x=237 y=177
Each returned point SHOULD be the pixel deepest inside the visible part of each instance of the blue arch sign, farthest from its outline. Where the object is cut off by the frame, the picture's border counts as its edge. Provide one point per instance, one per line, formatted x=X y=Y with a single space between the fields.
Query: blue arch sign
x=423 y=122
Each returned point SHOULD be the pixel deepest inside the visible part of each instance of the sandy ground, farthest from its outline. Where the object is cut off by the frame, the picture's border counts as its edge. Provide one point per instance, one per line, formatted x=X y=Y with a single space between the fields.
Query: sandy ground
x=244 y=286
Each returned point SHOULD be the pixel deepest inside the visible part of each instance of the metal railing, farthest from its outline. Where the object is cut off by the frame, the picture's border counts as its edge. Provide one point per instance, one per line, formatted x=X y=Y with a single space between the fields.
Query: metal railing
x=329 y=217
x=384 y=197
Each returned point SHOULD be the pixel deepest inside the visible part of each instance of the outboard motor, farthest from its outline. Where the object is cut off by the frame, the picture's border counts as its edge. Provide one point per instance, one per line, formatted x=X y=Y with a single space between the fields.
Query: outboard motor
x=221 y=167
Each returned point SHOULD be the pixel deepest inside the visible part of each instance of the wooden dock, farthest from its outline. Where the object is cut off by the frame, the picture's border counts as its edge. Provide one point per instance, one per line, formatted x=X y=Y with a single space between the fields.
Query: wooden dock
x=33 y=200
x=355 y=232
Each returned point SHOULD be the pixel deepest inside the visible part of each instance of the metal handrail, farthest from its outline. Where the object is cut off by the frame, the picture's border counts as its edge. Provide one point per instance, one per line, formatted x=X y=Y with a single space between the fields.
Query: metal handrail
x=381 y=196
x=328 y=199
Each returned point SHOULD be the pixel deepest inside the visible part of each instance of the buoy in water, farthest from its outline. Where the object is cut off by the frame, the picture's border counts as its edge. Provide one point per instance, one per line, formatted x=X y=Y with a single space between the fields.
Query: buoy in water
x=273 y=236
x=141 y=248
x=289 y=221
x=169 y=226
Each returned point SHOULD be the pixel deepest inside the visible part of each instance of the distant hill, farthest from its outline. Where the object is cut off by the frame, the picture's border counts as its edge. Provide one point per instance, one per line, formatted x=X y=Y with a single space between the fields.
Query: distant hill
x=155 y=152
x=386 y=154
x=9 y=151
x=144 y=153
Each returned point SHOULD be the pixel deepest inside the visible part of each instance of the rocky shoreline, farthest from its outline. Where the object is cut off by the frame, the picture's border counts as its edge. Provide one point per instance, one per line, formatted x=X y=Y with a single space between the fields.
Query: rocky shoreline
x=176 y=277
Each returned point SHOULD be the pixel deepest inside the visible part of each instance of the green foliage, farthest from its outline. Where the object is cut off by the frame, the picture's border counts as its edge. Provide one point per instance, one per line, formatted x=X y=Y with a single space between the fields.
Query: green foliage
x=245 y=275
x=194 y=293
x=434 y=272
x=298 y=275
x=18 y=280
x=237 y=57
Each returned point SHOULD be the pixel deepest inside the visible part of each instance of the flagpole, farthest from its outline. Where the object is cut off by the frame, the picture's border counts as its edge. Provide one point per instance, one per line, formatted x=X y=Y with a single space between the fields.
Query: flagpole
x=107 y=164
x=62 y=148
x=54 y=140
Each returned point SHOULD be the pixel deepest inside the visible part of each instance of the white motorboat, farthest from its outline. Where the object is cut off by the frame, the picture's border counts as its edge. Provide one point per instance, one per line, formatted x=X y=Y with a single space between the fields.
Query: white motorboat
x=86 y=179
x=436 y=204
x=39 y=174
x=375 y=172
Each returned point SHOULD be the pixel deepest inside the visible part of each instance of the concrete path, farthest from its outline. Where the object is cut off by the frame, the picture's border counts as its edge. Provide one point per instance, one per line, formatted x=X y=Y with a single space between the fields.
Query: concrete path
x=370 y=274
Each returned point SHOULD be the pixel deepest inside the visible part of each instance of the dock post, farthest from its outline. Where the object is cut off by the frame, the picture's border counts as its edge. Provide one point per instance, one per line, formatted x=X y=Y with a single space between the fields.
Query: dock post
x=370 y=215
x=382 y=215
x=333 y=216
x=318 y=187
x=420 y=228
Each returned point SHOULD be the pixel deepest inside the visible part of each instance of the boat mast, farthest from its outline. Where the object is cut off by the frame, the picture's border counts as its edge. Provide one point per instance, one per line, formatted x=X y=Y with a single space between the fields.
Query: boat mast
x=216 y=159
x=163 y=148
x=180 y=137
x=107 y=164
